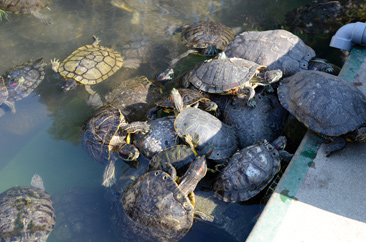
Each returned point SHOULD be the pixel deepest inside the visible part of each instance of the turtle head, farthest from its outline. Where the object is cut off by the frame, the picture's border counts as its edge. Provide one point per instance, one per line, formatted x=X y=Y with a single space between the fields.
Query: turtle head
x=129 y=152
x=271 y=76
x=209 y=51
x=359 y=134
x=177 y=99
x=69 y=84
x=196 y=171
x=280 y=143
x=319 y=64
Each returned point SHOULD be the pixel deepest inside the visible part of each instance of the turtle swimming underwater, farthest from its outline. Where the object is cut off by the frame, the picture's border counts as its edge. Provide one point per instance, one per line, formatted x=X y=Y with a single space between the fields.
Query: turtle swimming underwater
x=26 y=213
x=329 y=105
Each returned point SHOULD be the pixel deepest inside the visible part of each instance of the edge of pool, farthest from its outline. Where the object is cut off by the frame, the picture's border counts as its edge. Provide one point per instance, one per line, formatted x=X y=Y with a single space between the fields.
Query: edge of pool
x=320 y=198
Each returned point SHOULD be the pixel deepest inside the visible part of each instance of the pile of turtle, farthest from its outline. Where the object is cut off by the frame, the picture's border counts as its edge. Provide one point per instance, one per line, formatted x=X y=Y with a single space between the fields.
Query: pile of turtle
x=224 y=118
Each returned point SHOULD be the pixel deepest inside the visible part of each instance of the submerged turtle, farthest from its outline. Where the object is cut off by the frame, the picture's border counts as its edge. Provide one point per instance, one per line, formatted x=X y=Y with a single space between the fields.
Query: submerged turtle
x=231 y=76
x=105 y=134
x=276 y=49
x=88 y=65
x=22 y=80
x=160 y=209
x=250 y=170
x=25 y=6
x=205 y=128
x=327 y=104
x=190 y=97
x=206 y=38
x=26 y=213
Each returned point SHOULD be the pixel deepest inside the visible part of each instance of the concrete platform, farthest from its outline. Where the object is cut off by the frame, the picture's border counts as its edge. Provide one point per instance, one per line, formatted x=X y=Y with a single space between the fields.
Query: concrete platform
x=319 y=198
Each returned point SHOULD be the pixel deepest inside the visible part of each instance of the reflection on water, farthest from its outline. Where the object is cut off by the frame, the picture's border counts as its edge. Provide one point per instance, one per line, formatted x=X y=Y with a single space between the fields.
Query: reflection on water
x=43 y=136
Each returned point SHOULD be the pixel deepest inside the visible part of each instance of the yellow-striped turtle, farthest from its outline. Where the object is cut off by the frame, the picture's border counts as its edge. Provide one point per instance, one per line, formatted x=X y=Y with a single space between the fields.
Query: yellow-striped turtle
x=88 y=65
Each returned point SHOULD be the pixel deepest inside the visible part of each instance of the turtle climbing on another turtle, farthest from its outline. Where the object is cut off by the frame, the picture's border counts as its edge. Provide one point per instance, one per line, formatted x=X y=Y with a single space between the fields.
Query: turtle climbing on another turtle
x=206 y=38
x=159 y=208
x=25 y=6
x=328 y=105
x=106 y=137
x=88 y=65
x=250 y=170
x=231 y=76
x=21 y=81
x=26 y=213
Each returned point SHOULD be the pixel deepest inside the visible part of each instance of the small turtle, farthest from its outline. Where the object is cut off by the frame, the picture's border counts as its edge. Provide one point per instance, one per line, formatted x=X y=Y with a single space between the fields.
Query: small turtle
x=276 y=49
x=161 y=136
x=190 y=97
x=206 y=38
x=231 y=76
x=205 y=128
x=107 y=132
x=26 y=213
x=160 y=209
x=25 y=6
x=327 y=104
x=250 y=170
x=22 y=80
x=88 y=65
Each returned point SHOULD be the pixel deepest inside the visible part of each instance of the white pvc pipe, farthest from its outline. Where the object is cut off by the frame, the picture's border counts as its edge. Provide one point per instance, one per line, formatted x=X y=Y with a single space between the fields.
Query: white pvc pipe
x=353 y=33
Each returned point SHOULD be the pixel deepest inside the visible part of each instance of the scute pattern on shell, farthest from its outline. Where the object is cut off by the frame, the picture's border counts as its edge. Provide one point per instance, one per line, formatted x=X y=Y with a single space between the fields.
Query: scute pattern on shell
x=91 y=64
x=276 y=49
x=248 y=172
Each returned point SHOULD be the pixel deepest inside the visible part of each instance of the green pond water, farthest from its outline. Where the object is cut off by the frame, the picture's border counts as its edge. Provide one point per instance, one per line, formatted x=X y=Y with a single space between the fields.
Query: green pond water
x=43 y=136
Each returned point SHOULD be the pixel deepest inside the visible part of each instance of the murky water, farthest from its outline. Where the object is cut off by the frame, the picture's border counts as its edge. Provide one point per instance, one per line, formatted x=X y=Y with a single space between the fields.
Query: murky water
x=43 y=136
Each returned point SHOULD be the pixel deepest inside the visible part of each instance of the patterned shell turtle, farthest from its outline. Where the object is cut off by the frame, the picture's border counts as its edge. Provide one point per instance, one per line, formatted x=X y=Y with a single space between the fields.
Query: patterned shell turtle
x=190 y=97
x=204 y=128
x=160 y=209
x=231 y=76
x=250 y=170
x=25 y=6
x=88 y=65
x=327 y=104
x=26 y=213
x=22 y=80
x=276 y=49
x=105 y=134
x=206 y=38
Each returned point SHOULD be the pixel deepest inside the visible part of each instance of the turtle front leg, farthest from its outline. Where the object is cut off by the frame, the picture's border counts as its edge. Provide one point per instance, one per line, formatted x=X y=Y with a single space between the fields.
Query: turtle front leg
x=87 y=88
x=137 y=126
x=10 y=105
x=337 y=143
x=243 y=93
x=47 y=20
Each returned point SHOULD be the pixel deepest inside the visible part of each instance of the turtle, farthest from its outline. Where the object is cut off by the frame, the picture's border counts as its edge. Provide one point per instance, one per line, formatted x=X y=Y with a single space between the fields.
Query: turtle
x=250 y=170
x=26 y=213
x=161 y=136
x=266 y=121
x=88 y=65
x=231 y=76
x=204 y=128
x=21 y=80
x=190 y=97
x=207 y=38
x=4 y=94
x=328 y=105
x=105 y=134
x=276 y=49
x=159 y=208
x=25 y=6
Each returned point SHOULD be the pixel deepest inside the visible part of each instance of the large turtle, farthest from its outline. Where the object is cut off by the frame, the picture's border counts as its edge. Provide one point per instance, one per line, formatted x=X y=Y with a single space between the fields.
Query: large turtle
x=25 y=6
x=276 y=49
x=231 y=76
x=204 y=128
x=22 y=80
x=250 y=170
x=158 y=208
x=190 y=97
x=26 y=213
x=88 y=65
x=327 y=104
x=105 y=134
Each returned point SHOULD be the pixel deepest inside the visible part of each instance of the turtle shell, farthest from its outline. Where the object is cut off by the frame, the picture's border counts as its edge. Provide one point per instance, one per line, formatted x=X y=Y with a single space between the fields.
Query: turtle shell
x=23 y=6
x=98 y=131
x=325 y=103
x=207 y=129
x=223 y=76
x=91 y=64
x=248 y=172
x=204 y=34
x=276 y=49
x=23 y=79
x=26 y=212
x=190 y=97
x=156 y=205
